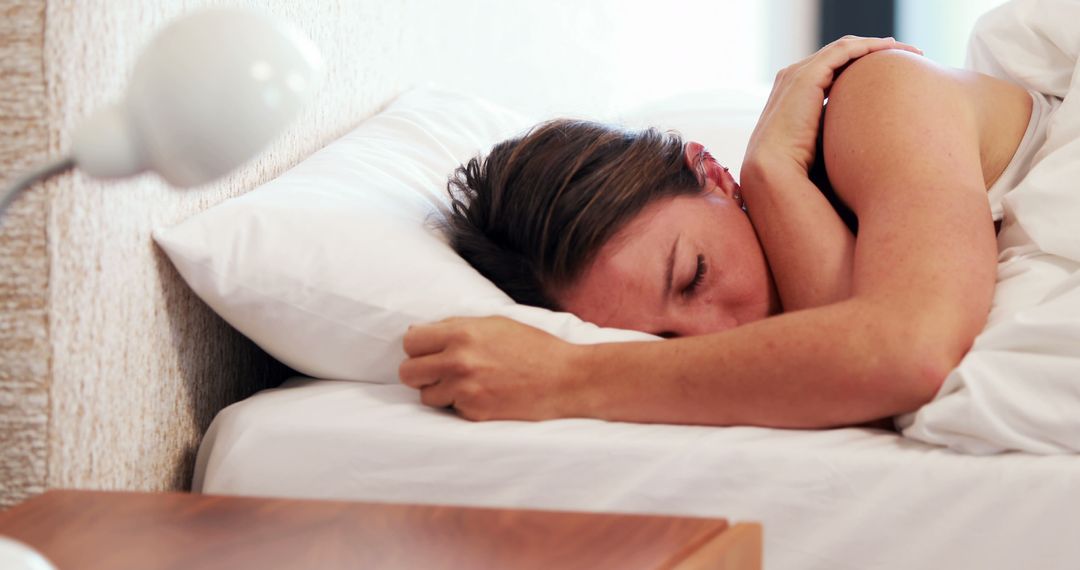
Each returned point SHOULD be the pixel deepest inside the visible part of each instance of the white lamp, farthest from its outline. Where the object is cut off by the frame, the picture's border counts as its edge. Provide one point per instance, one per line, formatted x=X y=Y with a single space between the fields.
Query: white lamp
x=209 y=92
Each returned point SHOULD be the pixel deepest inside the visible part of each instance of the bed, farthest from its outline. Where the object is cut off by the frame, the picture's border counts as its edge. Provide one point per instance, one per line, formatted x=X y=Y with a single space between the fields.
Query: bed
x=113 y=372
x=852 y=498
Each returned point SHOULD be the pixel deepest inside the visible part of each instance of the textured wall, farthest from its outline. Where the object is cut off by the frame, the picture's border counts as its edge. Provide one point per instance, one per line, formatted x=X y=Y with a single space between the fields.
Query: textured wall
x=24 y=347
x=110 y=369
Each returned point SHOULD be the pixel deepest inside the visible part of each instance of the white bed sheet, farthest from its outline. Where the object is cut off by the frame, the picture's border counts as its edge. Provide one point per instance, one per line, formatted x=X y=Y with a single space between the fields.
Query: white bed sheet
x=836 y=499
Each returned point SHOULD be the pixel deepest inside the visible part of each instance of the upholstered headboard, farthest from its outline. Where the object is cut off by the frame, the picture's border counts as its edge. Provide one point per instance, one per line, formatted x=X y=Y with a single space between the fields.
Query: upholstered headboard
x=110 y=368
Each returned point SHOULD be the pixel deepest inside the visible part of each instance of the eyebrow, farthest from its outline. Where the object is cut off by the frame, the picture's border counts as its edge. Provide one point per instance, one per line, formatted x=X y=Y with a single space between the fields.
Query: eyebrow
x=671 y=267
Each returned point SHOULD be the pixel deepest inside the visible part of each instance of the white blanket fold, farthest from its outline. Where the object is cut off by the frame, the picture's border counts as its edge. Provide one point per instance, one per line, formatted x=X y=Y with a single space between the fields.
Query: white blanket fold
x=1019 y=386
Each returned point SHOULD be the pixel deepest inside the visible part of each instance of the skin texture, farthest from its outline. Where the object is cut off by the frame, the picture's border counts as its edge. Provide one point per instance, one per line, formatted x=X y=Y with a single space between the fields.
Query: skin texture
x=910 y=147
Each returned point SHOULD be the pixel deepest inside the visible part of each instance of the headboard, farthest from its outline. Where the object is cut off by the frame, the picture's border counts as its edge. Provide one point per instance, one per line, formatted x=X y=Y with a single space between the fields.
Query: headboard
x=110 y=368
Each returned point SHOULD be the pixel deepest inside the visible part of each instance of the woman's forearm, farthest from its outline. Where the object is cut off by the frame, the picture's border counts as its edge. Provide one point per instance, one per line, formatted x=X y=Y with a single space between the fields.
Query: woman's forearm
x=841 y=364
x=810 y=250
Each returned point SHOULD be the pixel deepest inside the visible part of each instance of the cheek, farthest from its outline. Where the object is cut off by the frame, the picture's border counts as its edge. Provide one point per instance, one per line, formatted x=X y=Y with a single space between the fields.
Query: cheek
x=712 y=312
x=743 y=279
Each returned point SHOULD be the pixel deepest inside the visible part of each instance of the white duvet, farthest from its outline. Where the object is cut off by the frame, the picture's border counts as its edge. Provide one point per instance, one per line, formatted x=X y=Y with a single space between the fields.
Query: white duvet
x=1019 y=386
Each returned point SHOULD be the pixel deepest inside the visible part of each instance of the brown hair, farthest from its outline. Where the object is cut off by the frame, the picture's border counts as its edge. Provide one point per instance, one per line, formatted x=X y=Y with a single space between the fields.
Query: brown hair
x=534 y=213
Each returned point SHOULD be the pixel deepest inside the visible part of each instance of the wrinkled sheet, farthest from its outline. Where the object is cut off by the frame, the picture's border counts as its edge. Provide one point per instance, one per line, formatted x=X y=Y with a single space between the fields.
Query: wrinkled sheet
x=1019 y=386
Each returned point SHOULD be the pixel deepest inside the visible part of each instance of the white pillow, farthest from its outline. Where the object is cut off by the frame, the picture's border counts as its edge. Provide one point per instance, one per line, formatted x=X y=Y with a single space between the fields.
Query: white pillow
x=327 y=265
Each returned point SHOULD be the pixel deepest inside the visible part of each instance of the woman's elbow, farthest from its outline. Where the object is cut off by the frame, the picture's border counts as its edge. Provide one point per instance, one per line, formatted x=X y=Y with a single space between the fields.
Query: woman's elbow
x=944 y=341
x=908 y=382
x=926 y=377
x=919 y=364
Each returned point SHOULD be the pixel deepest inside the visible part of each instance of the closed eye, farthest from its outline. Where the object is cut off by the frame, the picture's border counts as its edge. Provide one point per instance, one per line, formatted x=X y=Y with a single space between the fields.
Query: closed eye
x=699 y=276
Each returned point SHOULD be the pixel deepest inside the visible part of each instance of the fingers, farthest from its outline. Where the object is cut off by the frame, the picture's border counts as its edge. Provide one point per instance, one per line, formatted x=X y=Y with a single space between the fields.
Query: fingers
x=444 y=395
x=431 y=338
x=441 y=350
x=848 y=48
x=423 y=371
x=437 y=395
x=823 y=65
x=437 y=351
x=436 y=337
x=429 y=360
x=874 y=43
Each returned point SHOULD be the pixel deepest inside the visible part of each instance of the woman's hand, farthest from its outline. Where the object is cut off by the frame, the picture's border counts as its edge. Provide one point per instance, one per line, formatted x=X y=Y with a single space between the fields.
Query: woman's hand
x=492 y=368
x=787 y=131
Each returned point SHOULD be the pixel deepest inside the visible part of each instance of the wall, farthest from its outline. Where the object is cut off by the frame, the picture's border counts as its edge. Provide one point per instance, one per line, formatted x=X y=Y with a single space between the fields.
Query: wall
x=941 y=29
x=24 y=347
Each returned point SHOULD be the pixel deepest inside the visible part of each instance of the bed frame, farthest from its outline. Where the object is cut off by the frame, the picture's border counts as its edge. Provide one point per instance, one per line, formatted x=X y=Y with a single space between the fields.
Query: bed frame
x=110 y=368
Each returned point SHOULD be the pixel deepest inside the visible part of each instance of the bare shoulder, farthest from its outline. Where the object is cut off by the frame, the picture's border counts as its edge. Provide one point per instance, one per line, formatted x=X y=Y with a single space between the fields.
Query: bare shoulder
x=889 y=81
x=891 y=66
x=889 y=109
x=895 y=75
x=894 y=101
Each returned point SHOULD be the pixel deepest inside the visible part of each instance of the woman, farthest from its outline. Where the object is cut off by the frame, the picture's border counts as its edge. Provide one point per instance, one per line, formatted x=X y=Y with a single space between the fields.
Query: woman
x=859 y=328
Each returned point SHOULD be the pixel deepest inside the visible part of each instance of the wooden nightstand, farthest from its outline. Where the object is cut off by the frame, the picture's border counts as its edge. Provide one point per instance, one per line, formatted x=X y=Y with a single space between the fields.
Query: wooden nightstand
x=93 y=529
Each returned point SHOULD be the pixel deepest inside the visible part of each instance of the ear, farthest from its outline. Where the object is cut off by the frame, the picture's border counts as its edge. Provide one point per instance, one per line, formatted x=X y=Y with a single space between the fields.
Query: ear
x=692 y=155
x=709 y=172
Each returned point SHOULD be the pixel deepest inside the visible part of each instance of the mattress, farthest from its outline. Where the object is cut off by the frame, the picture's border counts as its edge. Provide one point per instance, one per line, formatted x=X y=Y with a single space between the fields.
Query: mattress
x=854 y=498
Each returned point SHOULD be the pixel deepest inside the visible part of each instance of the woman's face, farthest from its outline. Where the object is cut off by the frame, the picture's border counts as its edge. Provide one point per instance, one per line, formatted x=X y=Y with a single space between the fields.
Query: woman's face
x=684 y=266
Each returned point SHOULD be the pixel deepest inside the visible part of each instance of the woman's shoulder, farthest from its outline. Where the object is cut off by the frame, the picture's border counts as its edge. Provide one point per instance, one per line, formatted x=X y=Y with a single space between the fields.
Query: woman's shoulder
x=902 y=72
x=893 y=76
x=901 y=91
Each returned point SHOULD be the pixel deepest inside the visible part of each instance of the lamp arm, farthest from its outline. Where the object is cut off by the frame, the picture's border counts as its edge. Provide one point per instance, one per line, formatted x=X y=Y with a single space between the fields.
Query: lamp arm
x=42 y=172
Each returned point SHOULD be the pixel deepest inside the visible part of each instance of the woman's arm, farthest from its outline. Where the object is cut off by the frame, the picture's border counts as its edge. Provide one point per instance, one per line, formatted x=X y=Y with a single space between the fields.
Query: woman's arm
x=809 y=248
x=903 y=149
x=841 y=364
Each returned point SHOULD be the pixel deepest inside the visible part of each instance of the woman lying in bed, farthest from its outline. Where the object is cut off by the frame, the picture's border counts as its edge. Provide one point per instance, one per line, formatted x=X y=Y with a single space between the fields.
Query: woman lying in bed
x=638 y=230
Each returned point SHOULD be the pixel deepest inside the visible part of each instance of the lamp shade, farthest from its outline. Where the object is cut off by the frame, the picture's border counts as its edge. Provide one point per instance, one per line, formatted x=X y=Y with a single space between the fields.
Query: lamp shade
x=209 y=92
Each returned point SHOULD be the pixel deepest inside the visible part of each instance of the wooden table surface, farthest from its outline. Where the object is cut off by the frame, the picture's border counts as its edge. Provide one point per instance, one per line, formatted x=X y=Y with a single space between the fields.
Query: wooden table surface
x=115 y=530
